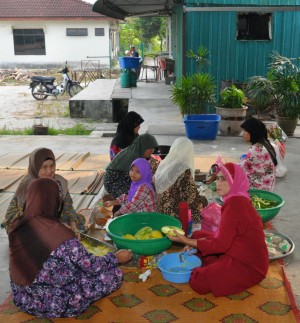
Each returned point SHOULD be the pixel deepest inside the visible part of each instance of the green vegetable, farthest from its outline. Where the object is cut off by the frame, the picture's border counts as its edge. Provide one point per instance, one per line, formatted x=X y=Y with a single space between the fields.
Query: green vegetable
x=260 y=203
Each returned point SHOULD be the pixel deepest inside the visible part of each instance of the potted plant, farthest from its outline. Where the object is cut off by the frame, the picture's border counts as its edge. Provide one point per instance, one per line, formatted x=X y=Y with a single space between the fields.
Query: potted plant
x=193 y=94
x=285 y=78
x=260 y=93
x=232 y=108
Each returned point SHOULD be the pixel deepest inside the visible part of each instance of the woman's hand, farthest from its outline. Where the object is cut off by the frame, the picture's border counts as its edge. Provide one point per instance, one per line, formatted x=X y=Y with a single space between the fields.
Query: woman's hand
x=123 y=255
x=184 y=240
x=178 y=238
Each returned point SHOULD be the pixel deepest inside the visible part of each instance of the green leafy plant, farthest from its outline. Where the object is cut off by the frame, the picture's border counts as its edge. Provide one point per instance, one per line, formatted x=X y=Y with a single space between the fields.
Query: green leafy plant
x=193 y=93
x=285 y=78
x=201 y=57
x=232 y=98
x=261 y=93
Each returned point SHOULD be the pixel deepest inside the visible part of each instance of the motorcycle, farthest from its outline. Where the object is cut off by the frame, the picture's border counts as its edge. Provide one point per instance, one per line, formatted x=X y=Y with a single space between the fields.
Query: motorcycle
x=43 y=86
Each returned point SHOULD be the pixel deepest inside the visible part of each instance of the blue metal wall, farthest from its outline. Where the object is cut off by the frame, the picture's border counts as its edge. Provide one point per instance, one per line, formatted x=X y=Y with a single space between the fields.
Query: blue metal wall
x=238 y=60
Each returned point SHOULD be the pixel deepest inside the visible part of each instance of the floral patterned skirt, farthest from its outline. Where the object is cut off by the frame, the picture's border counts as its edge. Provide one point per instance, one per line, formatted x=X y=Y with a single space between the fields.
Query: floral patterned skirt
x=70 y=280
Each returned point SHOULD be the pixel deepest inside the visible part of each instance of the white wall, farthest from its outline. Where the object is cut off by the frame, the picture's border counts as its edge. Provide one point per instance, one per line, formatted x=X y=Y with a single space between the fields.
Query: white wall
x=59 y=47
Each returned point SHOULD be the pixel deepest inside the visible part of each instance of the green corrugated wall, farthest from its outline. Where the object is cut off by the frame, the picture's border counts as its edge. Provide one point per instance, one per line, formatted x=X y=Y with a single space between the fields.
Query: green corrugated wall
x=232 y=59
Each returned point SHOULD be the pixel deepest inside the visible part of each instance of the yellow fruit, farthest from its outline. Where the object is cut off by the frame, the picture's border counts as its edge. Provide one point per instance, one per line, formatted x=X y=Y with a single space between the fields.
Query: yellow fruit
x=156 y=234
x=168 y=230
x=146 y=236
x=143 y=231
x=129 y=236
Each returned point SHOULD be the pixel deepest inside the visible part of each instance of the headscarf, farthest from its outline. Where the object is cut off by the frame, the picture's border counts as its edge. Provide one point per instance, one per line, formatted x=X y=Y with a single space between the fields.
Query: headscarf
x=136 y=150
x=125 y=130
x=37 y=232
x=179 y=159
x=36 y=159
x=259 y=133
x=236 y=178
x=146 y=177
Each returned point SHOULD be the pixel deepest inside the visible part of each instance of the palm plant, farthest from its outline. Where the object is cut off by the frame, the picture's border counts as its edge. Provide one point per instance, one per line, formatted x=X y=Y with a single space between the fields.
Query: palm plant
x=193 y=93
x=261 y=93
x=285 y=78
x=201 y=57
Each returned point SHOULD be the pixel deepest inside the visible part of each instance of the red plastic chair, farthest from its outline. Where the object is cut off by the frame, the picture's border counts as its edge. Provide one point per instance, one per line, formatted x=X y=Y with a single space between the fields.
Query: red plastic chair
x=162 y=67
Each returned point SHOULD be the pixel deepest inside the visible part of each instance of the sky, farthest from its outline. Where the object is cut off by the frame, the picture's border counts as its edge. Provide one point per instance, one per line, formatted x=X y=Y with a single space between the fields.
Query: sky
x=90 y=1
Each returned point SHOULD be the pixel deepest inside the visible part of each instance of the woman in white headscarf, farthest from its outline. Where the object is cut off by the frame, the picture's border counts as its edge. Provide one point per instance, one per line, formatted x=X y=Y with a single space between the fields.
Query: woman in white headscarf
x=174 y=181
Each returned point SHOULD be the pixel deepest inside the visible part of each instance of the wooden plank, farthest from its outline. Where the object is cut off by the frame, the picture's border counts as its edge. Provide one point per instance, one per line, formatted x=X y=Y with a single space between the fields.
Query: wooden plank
x=65 y=161
x=93 y=162
x=14 y=160
x=8 y=177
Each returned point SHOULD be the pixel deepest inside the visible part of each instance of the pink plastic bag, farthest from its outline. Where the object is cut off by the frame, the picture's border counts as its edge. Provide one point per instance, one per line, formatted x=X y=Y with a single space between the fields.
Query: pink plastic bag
x=211 y=218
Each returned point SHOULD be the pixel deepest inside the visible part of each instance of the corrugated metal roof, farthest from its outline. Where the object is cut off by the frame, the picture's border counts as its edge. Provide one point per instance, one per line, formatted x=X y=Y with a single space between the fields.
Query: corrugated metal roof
x=120 y=9
x=11 y=9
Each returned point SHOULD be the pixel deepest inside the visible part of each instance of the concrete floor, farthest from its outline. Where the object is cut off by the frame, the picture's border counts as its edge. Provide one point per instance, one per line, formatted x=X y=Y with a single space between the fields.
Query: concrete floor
x=162 y=119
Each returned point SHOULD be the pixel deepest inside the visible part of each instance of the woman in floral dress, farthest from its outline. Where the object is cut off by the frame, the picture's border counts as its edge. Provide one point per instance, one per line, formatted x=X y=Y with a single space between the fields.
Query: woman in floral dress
x=174 y=181
x=260 y=161
x=52 y=274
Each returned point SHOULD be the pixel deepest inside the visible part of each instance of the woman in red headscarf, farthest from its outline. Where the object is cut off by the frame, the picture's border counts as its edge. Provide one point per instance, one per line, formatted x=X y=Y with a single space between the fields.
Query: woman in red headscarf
x=237 y=257
x=52 y=274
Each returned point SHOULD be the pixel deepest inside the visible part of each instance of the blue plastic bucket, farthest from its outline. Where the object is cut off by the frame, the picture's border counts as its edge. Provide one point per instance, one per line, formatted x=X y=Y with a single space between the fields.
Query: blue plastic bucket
x=129 y=62
x=175 y=271
x=202 y=126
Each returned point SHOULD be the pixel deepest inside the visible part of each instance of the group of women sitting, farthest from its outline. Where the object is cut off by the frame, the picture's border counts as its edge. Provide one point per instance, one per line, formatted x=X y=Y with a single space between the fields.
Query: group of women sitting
x=52 y=275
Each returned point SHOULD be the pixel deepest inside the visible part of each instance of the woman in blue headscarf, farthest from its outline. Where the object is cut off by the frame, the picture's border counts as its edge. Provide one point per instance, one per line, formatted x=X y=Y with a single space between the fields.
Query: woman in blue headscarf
x=141 y=195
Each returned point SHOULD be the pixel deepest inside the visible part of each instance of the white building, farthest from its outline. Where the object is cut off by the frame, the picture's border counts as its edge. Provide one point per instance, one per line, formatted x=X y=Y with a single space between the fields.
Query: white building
x=44 y=33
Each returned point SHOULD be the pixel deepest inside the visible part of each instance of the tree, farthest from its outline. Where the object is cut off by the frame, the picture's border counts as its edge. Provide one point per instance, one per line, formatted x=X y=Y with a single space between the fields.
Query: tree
x=147 y=30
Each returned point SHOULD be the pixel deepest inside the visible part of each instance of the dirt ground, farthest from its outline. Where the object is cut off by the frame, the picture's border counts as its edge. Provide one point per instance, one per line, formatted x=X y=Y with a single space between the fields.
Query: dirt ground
x=20 y=110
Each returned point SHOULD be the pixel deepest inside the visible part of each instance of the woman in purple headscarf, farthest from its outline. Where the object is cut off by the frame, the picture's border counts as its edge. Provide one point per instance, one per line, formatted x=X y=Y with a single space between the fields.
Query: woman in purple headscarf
x=141 y=195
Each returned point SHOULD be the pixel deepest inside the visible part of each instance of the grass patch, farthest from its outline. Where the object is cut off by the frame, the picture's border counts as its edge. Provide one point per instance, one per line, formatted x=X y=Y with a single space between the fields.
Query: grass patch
x=77 y=130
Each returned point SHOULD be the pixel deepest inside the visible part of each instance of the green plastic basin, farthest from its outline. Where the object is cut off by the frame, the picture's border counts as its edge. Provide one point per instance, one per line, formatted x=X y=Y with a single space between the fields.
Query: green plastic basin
x=131 y=223
x=269 y=213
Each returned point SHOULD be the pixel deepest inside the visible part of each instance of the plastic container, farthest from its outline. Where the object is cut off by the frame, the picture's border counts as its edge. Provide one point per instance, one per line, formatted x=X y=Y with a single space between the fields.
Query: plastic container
x=129 y=62
x=183 y=216
x=190 y=222
x=175 y=271
x=125 y=79
x=131 y=223
x=270 y=213
x=202 y=126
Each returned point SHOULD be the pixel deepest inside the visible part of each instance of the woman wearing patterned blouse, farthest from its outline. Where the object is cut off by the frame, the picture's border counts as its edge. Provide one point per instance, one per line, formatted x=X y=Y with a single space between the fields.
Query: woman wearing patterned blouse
x=260 y=161
x=174 y=181
x=52 y=274
x=42 y=165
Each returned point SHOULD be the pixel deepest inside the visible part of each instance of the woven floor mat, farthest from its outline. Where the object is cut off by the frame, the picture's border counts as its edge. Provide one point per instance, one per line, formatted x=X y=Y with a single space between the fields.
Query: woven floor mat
x=157 y=300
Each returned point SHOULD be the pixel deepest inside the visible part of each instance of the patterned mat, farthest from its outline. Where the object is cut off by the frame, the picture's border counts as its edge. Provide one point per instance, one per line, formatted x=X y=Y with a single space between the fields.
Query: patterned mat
x=159 y=301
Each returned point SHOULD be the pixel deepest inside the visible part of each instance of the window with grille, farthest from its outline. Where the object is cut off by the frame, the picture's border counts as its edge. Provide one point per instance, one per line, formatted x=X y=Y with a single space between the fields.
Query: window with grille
x=29 y=41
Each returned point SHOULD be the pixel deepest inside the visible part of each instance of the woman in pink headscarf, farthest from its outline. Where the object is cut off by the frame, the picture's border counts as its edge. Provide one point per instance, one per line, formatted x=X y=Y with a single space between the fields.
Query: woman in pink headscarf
x=237 y=257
